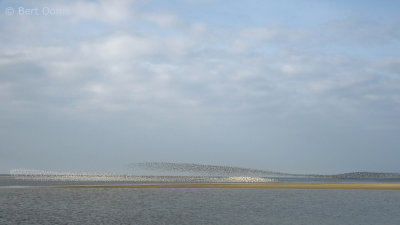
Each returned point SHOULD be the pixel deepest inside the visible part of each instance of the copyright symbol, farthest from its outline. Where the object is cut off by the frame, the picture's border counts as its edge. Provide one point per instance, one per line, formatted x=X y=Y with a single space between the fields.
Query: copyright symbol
x=9 y=11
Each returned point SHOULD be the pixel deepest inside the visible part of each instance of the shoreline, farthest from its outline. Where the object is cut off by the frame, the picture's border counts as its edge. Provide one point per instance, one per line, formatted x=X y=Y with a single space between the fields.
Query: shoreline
x=355 y=186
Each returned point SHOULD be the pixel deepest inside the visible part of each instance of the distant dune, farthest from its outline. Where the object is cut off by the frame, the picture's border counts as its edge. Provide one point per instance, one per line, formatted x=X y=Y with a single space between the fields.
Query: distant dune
x=367 y=175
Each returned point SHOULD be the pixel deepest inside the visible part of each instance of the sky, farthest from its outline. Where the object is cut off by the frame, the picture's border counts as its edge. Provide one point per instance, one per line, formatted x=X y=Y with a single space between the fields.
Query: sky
x=291 y=86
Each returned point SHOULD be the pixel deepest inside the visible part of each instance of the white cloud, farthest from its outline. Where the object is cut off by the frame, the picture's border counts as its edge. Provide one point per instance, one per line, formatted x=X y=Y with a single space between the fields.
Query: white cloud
x=195 y=65
x=164 y=20
x=120 y=47
x=106 y=11
x=362 y=31
x=141 y=74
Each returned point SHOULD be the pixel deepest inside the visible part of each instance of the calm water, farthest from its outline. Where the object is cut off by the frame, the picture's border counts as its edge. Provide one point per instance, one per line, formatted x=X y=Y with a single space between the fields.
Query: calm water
x=45 y=205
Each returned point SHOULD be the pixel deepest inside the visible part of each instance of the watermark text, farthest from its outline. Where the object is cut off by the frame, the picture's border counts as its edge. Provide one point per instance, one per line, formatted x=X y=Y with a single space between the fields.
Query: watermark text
x=36 y=11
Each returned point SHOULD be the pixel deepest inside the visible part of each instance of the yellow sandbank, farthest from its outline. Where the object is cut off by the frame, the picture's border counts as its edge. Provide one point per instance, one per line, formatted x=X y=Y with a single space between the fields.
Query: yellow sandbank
x=365 y=186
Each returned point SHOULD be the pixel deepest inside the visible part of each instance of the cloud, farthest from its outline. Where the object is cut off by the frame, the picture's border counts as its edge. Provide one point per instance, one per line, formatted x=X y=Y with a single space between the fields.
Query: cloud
x=105 y=11
x=120 y=47
x=144 y=81
x=163 y=20
x=194 y=66
x=362 y=31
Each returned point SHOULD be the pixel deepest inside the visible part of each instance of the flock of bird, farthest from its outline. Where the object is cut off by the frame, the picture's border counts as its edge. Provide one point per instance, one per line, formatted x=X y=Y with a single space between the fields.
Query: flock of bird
x=199 y=174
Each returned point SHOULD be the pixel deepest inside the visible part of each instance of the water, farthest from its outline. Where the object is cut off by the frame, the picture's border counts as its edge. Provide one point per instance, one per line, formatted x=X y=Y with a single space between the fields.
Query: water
x=36 y=201
x=45 y=205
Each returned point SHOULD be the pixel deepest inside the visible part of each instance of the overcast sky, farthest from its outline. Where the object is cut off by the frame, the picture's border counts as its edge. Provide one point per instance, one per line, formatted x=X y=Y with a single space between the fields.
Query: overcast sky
x=291 y=86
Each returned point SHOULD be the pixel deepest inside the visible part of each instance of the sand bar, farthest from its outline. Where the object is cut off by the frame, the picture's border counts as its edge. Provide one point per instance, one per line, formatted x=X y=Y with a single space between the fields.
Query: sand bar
x=365 y=186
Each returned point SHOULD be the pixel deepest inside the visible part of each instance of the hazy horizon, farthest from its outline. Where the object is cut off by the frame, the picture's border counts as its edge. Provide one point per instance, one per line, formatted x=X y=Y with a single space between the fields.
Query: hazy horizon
x=290 y=86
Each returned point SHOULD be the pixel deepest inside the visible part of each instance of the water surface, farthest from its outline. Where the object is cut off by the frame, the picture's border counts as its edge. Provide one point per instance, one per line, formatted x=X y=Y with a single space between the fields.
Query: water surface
x=46 y=205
